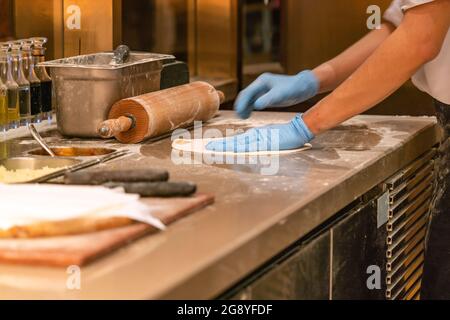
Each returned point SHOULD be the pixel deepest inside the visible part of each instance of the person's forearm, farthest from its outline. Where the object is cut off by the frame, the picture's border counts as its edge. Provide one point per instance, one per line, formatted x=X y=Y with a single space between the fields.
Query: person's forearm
x=416 y=41
x=332 y=73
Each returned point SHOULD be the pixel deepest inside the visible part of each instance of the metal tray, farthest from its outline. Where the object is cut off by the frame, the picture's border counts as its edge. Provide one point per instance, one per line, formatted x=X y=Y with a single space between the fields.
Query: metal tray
x=101 y=61
x=38 y=163
x=68 y=164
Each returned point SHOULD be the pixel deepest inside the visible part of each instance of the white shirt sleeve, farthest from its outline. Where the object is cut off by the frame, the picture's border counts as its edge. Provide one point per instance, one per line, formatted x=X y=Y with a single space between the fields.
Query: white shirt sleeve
x=397 y=9
x=433 y=77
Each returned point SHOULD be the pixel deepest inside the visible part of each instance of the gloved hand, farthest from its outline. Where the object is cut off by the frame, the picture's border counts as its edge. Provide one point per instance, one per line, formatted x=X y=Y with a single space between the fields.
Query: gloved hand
x=271 y=90
x=279 y=137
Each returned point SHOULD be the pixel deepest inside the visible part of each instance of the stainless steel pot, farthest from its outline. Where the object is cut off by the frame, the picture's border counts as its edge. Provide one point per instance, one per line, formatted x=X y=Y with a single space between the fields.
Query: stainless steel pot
x=85 y=87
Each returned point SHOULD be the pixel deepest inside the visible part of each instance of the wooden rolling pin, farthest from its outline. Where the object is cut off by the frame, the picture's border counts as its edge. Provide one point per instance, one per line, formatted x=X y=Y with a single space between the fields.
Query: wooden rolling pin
x=151 y=115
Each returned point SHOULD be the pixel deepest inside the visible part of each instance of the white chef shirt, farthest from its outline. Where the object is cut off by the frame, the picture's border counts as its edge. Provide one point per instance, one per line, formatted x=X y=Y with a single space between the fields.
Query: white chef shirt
x=434 y=77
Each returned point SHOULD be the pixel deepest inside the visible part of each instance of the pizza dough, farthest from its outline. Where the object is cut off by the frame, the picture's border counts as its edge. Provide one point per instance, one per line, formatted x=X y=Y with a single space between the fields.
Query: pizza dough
x=199 y=146
x=57 y=210
x=64 y=228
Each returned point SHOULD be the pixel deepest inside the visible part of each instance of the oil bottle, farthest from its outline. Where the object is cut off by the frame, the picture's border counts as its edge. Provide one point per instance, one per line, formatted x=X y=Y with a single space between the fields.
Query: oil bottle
x=41 y=72
x=12 y=93
x=5 y=146
x=21 y=80
x=35 y=83
x=3 y=107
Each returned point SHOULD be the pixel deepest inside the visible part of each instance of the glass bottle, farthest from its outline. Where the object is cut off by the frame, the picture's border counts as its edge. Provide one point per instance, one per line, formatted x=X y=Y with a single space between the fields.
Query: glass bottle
x=3 y=107
x=41 y=72
x=21 y=80
x=12 y=87
x=35 y=83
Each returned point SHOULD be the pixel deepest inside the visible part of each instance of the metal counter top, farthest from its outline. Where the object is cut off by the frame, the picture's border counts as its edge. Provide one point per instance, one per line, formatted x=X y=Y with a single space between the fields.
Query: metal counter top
x=254 y=218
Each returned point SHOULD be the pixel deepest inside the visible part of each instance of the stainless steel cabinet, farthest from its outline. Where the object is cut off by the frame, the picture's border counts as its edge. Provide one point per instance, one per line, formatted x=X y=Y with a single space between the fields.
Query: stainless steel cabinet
x=358 y=255
x=330 y=265
x=302 y=276
x=372 y=250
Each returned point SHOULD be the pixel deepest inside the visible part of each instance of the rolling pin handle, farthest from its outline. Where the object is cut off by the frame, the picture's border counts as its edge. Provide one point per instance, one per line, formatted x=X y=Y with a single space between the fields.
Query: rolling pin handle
x=104 y=132
x=221 y=96
x=111 y=128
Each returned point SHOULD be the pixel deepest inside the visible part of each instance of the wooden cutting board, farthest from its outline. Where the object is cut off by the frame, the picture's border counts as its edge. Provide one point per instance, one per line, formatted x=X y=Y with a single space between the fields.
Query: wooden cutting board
x=82 y=249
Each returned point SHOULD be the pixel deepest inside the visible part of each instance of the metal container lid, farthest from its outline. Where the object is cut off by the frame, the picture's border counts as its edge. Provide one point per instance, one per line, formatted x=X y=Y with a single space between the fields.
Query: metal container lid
x=102 y=61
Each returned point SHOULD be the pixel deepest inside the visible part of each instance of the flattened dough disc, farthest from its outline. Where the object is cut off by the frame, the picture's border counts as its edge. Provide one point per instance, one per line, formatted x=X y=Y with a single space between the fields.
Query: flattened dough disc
x=199 y=146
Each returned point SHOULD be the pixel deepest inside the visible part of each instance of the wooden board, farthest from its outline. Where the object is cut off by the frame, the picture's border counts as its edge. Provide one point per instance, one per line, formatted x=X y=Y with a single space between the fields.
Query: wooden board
x=82 y=249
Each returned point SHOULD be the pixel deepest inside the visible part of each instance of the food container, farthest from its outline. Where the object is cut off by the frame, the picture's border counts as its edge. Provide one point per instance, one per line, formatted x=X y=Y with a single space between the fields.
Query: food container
x=36 y=164
x=26 y=163
x=73 y=152
x=85 y=87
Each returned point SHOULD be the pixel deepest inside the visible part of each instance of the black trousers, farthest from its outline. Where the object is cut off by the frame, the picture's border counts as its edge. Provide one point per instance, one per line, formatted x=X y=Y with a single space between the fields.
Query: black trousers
x=436 y=280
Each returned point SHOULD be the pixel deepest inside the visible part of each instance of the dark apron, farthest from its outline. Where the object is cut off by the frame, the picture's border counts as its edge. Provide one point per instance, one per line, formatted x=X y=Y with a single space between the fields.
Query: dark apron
x=436 y=280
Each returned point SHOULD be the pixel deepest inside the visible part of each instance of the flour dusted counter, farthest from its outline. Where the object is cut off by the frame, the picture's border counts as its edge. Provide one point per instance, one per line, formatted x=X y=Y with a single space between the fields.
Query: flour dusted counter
x=312 y=230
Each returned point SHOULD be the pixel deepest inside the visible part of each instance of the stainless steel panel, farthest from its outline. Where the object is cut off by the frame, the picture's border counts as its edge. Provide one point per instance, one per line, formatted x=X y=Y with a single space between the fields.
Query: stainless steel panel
x=410 y=195
x=303 y=275
x=397 y=292
x=408 y=234
x=357 y=244
x=408 y=265
x=393 y=254
x=396 y=216
x=409 y=224
x=424 y=172
x=410 y=199
x=404 y=174
x=395 y=267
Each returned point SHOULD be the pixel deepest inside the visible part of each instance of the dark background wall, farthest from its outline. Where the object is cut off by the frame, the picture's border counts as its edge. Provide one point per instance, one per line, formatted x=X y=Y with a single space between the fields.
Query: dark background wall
x=6 y=20
x=310 y=32
x=156 y=25
x=318 y=30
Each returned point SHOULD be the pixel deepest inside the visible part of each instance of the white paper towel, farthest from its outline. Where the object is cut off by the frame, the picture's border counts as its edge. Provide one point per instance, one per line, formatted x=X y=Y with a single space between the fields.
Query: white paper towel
x=22 y=205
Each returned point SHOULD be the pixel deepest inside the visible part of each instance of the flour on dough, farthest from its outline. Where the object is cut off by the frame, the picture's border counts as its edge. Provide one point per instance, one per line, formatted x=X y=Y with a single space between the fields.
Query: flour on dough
x=199 y=146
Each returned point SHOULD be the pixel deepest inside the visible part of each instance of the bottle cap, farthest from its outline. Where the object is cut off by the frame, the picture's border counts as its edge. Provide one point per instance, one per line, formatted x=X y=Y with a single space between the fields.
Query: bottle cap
x=38 y=45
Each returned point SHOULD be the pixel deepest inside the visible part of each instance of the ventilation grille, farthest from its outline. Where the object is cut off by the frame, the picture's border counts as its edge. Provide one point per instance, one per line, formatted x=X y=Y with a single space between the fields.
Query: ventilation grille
x=410 y=196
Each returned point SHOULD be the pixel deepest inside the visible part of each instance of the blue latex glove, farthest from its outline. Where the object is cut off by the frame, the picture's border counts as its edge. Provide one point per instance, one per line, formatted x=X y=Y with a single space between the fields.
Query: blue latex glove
x=271 y=90
x=279 y=137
